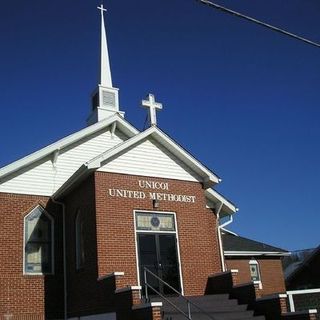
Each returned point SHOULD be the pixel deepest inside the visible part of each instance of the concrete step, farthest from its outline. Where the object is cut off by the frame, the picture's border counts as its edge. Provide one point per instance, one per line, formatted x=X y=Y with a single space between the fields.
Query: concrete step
x=210 y=297
x=226 y=306
x=212 y=307
x=202 y=303
x=214 y=317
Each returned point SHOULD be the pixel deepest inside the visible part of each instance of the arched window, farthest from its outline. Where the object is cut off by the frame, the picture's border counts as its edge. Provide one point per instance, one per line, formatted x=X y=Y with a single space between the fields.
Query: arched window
x=255 y=271
x=79 y=226
x=38 y=242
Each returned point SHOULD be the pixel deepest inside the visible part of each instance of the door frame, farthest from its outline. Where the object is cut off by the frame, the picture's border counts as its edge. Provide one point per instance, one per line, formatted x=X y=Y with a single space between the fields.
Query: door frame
x=136 y=232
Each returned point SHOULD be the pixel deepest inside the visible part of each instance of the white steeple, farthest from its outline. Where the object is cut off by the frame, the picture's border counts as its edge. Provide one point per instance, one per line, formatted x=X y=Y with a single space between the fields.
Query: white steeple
x=105 y=72
x=105 y=99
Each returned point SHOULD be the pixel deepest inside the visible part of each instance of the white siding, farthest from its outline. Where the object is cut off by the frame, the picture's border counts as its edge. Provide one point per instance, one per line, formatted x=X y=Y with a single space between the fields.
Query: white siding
x=151 y=159
x=42 y=178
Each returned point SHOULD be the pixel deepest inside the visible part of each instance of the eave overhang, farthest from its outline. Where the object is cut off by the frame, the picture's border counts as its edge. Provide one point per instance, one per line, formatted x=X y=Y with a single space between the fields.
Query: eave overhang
x=215 y=199
x=56 y=147
x=255 y=253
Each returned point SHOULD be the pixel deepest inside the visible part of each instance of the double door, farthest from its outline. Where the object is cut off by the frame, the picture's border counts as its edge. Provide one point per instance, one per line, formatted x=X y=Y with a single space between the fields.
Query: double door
x=158 y=253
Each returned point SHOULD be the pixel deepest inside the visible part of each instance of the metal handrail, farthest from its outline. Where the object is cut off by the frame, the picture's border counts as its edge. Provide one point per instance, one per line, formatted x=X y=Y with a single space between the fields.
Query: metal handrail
x=189 y=303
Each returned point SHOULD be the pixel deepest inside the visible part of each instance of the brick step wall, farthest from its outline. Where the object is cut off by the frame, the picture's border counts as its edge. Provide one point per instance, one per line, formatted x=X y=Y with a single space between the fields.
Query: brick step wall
x=273 y=307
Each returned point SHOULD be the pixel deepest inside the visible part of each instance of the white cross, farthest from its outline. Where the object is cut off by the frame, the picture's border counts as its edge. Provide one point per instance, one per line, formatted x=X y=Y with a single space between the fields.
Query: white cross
x=102 y=8
x=153 y=106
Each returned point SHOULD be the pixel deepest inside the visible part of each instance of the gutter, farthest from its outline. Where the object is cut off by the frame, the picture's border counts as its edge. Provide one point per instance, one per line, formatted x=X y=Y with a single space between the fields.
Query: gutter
x=65 y=304
x=219 y=235
x=257 y=253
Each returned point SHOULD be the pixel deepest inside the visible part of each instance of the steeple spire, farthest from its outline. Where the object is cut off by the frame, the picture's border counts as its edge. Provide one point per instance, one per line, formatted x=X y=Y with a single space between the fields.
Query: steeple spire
x=105 y=72
x=105 y=99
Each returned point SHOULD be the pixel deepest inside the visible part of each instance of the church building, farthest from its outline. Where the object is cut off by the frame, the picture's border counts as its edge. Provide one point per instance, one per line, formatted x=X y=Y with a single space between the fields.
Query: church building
x=106 y=216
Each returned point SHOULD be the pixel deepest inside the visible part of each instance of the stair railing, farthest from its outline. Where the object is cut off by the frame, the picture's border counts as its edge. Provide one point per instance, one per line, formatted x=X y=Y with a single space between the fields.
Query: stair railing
x=189 y=303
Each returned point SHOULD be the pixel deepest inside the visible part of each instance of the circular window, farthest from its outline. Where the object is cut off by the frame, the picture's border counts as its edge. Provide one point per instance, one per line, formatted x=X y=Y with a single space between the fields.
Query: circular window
x=155 y=222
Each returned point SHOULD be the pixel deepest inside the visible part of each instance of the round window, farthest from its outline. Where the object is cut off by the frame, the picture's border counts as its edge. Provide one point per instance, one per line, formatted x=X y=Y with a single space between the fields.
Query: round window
x=155 y=222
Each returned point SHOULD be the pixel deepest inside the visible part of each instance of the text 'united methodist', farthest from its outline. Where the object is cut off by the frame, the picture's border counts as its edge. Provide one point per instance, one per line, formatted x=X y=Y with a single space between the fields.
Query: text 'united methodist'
x=162 y=193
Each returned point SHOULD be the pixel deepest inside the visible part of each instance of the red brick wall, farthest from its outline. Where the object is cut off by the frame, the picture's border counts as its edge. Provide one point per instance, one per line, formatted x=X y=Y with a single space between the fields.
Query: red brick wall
x=196 y=226
x=27 y=295
x=109 y=246
x=270 y=269
x=86 y=295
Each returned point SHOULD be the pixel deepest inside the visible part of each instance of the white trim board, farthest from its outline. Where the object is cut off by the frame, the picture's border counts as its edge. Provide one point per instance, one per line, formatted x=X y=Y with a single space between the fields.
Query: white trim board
x=255 y=253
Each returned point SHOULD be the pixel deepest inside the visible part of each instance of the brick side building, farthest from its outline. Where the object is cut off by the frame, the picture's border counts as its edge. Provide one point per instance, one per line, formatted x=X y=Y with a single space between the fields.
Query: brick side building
x=255 y=261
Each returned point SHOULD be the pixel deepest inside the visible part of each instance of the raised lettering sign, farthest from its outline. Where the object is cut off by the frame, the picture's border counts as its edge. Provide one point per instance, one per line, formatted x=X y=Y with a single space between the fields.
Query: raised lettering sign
x=152 y=195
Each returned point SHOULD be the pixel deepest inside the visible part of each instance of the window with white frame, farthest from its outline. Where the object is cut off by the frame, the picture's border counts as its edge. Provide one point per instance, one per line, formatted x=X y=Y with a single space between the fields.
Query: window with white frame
x=80 y=254
x=154 y=221
x=38 y=242
x=255 y=271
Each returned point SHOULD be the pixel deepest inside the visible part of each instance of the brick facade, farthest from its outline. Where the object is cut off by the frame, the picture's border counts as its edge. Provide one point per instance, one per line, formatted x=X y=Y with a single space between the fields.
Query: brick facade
x=110 y=246
x=270 y=269
x=27 y=296
x=109 y=243
x=196 y=226
x=86 y=293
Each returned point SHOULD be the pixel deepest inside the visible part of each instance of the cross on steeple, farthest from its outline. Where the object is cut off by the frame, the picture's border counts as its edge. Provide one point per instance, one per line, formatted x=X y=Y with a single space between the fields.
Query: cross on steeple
x=153 y=106
x=102 y=8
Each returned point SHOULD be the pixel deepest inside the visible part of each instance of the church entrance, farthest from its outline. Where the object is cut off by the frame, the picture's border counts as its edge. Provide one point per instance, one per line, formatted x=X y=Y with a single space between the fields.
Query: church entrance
x=158 y=251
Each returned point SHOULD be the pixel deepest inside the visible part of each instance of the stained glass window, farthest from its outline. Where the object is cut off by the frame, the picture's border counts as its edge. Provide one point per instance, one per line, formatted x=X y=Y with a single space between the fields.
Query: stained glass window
x=38 y=242
x=254 y=270
x=155 y=221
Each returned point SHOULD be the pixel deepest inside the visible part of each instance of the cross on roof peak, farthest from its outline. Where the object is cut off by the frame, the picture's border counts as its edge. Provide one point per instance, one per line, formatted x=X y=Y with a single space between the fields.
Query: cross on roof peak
x=151 y=103
x=102 y=8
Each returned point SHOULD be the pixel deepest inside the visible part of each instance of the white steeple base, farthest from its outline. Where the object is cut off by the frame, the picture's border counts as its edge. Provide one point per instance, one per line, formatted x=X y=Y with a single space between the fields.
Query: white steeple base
x=100 y=114
x=105 y=103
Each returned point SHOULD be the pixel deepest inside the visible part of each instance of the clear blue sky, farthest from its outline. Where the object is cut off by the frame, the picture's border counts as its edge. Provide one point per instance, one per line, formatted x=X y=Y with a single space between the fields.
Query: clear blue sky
x=244 y=100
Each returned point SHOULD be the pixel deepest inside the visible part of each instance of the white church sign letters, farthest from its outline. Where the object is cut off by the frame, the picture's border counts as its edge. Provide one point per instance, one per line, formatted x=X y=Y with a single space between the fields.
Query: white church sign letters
x=160 y=191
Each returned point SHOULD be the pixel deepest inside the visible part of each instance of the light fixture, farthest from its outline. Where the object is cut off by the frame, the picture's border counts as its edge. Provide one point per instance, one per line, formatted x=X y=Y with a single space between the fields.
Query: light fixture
x=156 y=203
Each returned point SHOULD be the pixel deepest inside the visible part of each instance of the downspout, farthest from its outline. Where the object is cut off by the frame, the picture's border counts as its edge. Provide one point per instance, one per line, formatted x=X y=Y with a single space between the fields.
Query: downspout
x=219 y=235
x=64 y=257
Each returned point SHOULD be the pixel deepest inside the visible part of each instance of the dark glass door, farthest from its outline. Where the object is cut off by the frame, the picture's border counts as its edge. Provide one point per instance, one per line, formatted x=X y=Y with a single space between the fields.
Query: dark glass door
x=158 y=253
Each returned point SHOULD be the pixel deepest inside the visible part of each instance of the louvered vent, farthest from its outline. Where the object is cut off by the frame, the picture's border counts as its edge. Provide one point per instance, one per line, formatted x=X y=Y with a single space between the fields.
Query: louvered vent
x=108 y=99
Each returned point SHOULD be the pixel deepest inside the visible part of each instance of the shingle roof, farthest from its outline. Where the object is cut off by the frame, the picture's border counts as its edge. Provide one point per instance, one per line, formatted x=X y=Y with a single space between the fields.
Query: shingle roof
x=309 y=257
x=235 y=243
